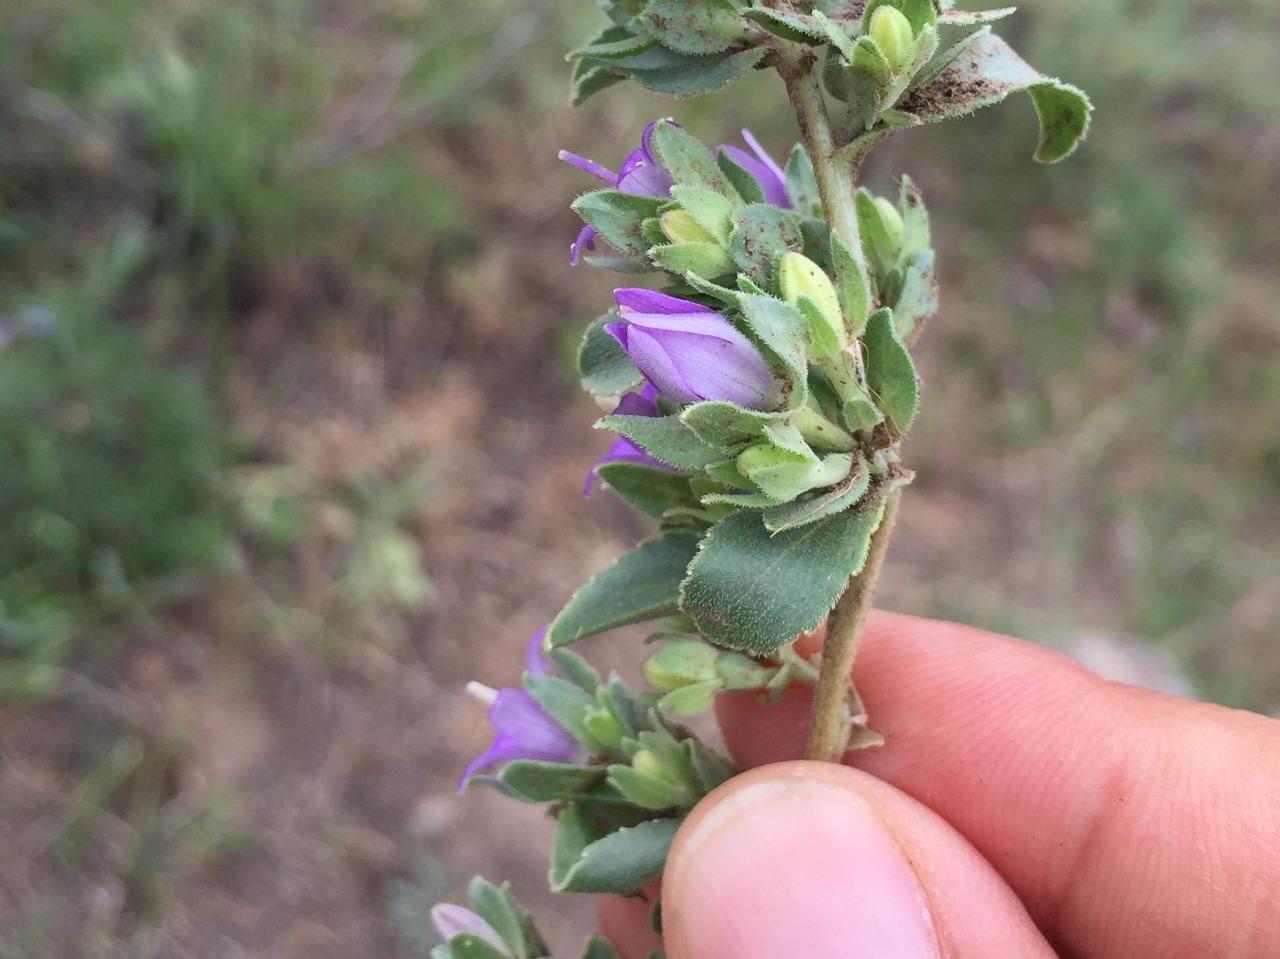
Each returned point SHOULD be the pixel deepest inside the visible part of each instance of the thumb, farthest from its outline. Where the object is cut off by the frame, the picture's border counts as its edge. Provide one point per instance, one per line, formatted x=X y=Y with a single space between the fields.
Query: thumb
x=806 y=859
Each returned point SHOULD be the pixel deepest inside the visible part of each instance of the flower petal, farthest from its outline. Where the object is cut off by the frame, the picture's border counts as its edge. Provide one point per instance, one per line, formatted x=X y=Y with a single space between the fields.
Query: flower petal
x=534 y=664
x=589 y=166
x=650 y=301
x=586 y=241
x=451 y=920
x=766 y=174
x=655 y=361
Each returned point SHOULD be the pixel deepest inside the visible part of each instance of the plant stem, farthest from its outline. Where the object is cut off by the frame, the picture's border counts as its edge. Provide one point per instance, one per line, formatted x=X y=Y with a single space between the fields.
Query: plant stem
x=835 y=178
x=836 y=705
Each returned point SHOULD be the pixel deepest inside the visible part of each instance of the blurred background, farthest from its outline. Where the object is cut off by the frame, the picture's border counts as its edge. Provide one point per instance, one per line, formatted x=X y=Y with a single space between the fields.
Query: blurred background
x=291 y=447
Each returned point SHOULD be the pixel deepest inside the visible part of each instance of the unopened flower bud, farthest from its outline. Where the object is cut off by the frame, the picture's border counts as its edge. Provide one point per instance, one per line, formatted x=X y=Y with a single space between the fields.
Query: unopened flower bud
x=892 y=32
x=806 y=286
x=680 y=664
x=681 y=227
x=647 y=764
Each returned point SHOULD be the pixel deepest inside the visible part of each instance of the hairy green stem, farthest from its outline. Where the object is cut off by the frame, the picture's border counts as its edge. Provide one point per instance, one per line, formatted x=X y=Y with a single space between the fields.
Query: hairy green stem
x=836 y=705
x=836 y=177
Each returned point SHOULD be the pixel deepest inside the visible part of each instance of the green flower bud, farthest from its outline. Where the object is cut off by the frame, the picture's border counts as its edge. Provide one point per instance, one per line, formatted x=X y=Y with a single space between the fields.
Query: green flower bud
x=893 y=34
x=680 y=664
x=601 y=723
x=647 y=764
x=806 y=286
x=891 y=218
x=681 y=227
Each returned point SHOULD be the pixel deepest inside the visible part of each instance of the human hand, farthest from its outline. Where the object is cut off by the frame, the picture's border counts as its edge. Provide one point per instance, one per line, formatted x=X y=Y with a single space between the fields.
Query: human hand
x=1021 y=808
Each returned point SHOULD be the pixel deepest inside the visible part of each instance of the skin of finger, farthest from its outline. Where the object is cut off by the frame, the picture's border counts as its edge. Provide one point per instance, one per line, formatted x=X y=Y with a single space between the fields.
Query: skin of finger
x=1131 y=824
x=975 y=915
x=625 y=922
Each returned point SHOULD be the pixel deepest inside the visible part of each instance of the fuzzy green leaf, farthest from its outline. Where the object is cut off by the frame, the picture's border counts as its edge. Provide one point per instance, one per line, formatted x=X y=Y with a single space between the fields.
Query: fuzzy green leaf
x=711 y=209
x=785 y=333
x=665 y=438
x=688 y=160
x=891 y=375
x=605 y=368
x=851 y=288
x=761 y=234
x=651 y=490
x=825 y=503
x=643 y=584
x=918 y=298
x=466 y=945
x=802 y=184
x=536 y=782
x=743 y=181
x=495 y=906
x=700 y=29
x=794 y=27
x=727 y=426
x=620 y=863
x=681 y=75
x=753 y=590
x=589 y=80
x=619 y=217
x=986 y=72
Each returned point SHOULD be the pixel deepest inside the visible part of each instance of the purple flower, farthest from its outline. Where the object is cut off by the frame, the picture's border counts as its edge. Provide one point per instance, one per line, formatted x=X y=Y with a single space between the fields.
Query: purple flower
x=524 y=729
x=623 y=450
x=640 y=174
x=451 y=920
x=689 y=352
x=761 y=166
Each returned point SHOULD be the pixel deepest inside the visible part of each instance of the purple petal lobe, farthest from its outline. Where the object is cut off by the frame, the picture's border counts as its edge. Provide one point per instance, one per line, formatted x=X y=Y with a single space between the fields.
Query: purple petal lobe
x=653 y=358
x=534 y=664
x=586 y=241
x=451 y=920
x=589 y=166
x=649 y=301
x=773 y=185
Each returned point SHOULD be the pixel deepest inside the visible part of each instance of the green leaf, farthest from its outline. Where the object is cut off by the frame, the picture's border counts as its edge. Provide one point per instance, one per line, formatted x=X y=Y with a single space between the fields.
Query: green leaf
x=688 y=159
x=651 y=490
x=918 y=299
x=802 y=183
x=604 y=365
x=727 y=426
x=748 y=187
x=948 y=56
x=761 y=234
x=619 y=217
x=613 y=43
x=986 y=72
x=665 y=438
x=712 y=211
x=795 y=27
x=648 y=792
x=701 y=28
x=466 y=945
x=536 y=782
x=713 y=291
x=575 y=831
x=621 y=862
x=691 y=700
x=599 y=948
x=708 y=260
x=565 y=702
x=495 y=906
x=825 y=503
x=753 y=590
x=915 y=218
x=575 y=669
x=589 y=80
x=880 y=247
x=681 y=75
x=851 y=287
x=785 y=333
x=643 y=584
x=710 y=768
x=891 y=375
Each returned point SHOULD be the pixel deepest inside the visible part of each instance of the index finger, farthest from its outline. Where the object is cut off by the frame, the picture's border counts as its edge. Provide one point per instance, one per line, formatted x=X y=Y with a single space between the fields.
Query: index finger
x=1130 y=823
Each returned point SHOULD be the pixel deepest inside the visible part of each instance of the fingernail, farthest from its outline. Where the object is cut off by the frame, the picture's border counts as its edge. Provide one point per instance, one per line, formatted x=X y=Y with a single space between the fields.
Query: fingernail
x=792 y=868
